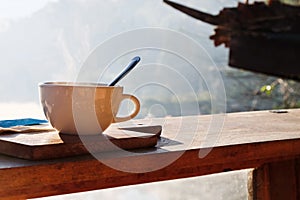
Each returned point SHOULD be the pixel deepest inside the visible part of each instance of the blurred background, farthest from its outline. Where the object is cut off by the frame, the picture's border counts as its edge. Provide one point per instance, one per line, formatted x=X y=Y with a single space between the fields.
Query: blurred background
x=49 y=40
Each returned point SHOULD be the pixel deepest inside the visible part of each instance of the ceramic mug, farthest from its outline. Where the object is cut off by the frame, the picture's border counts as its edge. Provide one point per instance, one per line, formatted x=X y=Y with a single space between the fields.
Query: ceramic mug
x=83 y=108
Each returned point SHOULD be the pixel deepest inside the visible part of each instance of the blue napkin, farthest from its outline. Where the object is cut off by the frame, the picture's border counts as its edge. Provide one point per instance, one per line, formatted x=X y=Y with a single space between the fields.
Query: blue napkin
x=21 y=122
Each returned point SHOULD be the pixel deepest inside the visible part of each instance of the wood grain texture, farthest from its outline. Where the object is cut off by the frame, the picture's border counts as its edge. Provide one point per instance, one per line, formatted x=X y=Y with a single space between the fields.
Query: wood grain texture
x=277 y=180
x=247 y=140
x=51 y=144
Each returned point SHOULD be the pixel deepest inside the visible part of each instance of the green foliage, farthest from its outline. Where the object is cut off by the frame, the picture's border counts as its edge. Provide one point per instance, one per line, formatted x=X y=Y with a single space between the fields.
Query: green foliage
x=267 y=89
x=247 y=91
x=284 y=92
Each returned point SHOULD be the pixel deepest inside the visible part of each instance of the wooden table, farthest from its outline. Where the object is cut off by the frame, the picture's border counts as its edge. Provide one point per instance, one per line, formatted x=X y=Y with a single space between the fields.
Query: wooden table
x=266 y=141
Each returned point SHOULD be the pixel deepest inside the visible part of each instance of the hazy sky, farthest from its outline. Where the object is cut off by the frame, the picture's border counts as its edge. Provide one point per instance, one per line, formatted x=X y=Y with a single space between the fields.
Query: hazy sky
x=14 y=9
x=49 y=40
x=46 y=40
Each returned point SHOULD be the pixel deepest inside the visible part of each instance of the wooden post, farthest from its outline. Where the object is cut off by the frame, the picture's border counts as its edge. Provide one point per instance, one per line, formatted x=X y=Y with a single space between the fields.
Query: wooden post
x=277 y=180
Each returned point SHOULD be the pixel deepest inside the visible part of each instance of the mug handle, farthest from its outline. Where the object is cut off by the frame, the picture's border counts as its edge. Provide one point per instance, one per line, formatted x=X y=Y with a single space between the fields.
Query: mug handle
x=134 y=113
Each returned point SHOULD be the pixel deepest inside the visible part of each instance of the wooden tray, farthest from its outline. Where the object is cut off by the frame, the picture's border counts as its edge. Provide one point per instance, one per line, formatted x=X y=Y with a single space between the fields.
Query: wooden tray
x=51 y=144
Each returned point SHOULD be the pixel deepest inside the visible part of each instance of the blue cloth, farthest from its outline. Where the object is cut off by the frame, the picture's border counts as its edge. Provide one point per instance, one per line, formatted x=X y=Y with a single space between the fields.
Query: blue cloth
x=21 y=122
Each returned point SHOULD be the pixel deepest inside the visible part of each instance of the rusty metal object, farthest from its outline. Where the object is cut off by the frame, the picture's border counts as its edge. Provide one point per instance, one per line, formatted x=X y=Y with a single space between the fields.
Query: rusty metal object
x=206 y=17
x=268 y=54
x=262 y=37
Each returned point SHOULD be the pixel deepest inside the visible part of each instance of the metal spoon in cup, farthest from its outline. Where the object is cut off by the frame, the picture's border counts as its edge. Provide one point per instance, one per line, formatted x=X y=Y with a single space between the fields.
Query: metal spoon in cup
x=130 y=66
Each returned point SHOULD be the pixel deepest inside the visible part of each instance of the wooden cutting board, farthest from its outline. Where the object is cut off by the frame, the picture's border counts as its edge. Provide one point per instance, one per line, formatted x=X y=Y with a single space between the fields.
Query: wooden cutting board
x=51 y=144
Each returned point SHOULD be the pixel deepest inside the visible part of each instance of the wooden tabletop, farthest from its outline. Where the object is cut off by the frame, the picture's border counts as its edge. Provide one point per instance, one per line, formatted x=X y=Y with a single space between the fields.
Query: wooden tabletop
x=189 y=146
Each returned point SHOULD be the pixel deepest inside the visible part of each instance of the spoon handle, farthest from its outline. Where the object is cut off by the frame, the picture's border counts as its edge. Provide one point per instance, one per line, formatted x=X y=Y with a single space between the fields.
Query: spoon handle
x=130 y=66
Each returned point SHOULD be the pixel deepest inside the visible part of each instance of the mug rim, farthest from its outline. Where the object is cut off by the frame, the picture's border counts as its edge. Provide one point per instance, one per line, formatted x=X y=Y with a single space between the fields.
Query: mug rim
x=75 y=84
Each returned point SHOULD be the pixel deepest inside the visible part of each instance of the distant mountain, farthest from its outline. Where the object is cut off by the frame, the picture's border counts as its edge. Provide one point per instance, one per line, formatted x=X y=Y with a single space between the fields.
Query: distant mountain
x=53 y=43
x=4 y=24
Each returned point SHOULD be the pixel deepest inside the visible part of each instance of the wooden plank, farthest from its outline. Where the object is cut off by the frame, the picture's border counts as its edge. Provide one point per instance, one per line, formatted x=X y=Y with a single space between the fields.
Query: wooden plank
x=247 y=140
x=51 y=144
x=297 y=170
x=237 y=128
x=277 y=180
x=260 y=184
x=282 y=180
x=62 y=177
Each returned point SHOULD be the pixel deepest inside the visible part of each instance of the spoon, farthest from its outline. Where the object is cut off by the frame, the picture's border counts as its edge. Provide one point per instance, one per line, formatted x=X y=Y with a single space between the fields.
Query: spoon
x=130 y=66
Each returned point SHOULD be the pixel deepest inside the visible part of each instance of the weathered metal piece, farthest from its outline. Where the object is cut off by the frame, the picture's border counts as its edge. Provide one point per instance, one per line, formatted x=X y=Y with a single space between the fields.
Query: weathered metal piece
x=262 y=37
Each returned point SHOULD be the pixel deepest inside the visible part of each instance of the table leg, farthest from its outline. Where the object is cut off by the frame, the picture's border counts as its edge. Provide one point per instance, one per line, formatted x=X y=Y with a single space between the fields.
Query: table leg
x=277 y=180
